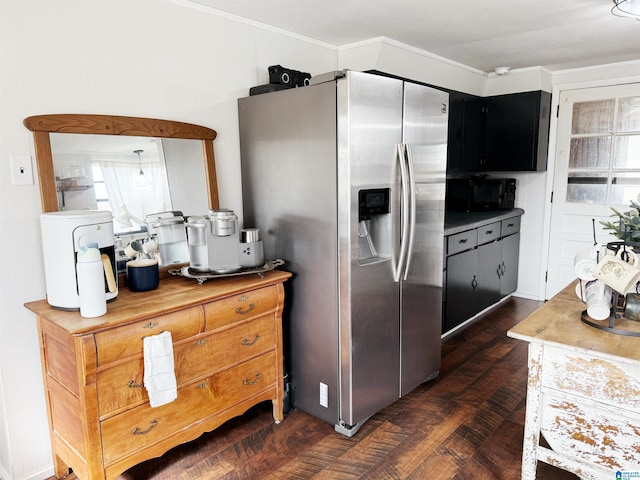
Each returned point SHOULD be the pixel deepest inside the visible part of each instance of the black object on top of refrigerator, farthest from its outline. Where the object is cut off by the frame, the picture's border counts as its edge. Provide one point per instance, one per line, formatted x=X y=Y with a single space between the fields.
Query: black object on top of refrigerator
x=346 y=179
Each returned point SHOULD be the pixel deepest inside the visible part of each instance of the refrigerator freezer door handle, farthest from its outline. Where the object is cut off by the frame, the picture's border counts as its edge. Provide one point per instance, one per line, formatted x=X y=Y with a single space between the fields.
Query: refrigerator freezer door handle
x=404 y=185
x=412 y=209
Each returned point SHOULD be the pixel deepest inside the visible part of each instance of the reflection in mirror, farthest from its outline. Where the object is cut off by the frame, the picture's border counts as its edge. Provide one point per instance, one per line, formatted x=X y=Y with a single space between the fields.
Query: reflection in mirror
x=132 y=166
x=130 y=176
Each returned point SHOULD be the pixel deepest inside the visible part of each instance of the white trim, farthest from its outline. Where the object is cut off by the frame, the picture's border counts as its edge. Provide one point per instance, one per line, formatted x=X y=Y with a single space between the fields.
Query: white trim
x=252 y=23
x=409 y=48
x=45 y=473
x=629 y=63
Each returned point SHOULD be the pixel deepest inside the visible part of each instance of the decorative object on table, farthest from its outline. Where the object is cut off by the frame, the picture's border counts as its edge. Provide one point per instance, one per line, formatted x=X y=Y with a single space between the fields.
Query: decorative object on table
x=618 y=274
x=584 y=262
x=627 y=228
x=617 y=270
x=143 y=274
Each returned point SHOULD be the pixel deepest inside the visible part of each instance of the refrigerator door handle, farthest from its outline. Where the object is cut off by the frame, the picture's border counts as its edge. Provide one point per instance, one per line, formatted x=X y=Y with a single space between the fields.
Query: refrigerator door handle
x=412 y=208
x=404 y=184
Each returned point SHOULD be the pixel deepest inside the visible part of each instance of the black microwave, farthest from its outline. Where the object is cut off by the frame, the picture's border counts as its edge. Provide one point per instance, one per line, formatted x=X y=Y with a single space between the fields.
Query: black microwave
x=477 y=194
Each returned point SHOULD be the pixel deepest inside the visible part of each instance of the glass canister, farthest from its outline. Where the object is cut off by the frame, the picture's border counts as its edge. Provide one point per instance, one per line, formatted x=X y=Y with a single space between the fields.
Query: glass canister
x=172 y=240
x=197 y=239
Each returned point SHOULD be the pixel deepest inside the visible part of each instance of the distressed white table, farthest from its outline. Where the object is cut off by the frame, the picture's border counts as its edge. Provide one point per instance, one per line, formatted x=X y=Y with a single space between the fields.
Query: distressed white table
x=583 y=393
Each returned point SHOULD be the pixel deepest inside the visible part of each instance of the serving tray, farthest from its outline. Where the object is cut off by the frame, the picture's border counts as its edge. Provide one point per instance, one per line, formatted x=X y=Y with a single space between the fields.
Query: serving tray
x=202 y=277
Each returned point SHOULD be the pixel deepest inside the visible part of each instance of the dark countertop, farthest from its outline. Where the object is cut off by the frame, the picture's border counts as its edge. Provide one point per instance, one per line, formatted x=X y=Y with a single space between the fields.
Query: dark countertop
x=456 y=222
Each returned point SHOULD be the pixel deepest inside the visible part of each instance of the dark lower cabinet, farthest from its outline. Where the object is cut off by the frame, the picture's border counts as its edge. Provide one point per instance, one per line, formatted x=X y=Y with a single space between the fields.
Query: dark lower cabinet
x=509 y=267
x=479 y=274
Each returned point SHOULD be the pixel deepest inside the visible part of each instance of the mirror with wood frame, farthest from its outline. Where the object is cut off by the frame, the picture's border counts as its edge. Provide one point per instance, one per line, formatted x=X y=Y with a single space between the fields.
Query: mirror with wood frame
x=92 y=161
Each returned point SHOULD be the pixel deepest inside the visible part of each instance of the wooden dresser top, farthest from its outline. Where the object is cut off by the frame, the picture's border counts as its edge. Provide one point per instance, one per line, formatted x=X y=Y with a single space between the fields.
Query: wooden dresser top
x=558 y=322
x=174 y=293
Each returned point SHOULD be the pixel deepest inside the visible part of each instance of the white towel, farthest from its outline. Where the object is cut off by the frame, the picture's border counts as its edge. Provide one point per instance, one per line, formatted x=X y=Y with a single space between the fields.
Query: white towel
x=159 y=374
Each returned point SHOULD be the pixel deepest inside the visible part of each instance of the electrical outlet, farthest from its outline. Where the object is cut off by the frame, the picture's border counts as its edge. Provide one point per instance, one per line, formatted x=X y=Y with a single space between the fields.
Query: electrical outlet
x=324 y=395
x=21 y=170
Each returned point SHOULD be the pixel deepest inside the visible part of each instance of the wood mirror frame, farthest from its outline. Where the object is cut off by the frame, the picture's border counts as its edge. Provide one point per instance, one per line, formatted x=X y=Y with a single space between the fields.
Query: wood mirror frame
x=43 y=125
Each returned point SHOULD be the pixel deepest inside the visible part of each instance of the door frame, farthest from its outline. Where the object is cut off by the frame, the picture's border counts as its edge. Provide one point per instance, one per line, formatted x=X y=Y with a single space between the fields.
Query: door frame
x=551 y=164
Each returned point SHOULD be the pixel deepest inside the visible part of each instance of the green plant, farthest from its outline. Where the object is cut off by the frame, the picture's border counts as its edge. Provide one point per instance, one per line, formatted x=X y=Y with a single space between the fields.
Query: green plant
x=627 y=228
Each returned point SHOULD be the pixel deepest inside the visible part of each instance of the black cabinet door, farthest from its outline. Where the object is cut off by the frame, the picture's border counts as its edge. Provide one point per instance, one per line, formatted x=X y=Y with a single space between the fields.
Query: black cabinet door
x=509 y=267
x=489 y=263
x=466 y=137
x=473 y=136
x=516 y=132
x=462 y=283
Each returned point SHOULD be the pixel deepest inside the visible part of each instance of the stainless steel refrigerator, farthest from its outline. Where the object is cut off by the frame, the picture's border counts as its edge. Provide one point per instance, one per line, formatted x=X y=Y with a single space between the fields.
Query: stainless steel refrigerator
x=346 y=181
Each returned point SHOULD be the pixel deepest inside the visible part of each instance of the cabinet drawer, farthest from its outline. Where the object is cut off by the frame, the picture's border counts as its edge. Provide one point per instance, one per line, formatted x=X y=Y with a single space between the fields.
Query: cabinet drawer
x=462 y=241
x=610 y=382
x=488 y=233
x=142 y=426
x=121 y=385
x=125 y=341
x=510 y=226
x=240 y=307
x=590 y=432
x=227 y=347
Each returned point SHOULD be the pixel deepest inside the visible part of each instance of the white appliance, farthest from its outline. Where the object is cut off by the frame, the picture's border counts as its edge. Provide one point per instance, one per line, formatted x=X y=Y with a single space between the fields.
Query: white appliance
x=346 y=179
x=65 y=233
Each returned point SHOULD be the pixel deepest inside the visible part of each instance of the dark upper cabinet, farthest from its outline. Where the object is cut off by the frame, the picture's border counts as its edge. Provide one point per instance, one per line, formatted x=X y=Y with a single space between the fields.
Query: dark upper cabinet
x=516 y=132
x=503 y=133
x=466 y=137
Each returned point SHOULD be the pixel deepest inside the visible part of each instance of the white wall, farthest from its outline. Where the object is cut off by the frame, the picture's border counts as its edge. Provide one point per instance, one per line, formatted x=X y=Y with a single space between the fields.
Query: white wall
x=162 y=59
x=155 y=58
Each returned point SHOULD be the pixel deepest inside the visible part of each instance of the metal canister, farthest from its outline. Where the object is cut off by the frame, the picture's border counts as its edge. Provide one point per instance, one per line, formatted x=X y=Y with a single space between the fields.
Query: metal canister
x=632 y=307
x=223 y=222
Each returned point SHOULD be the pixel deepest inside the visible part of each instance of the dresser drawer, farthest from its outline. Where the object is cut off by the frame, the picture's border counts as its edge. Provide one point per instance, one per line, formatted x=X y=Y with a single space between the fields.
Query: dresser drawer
x=224 y=348
x=462 y=241
x=142 y=426
x=121 y=385
x=488 y=233
x=121 y=342
x=240 y=307
x=510 y=226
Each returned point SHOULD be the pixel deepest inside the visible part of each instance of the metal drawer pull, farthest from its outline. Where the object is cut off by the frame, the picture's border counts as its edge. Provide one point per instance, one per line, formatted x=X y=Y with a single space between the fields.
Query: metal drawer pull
x=462 y=240
x=510 y=225
x=248 y=343
x=488 y=232
x=202 y=385
x=133 y=384
x=136 y=431
x=474 y=283
x=150 y=325
x=246 y=381
x=202 y=341
x=248 y=310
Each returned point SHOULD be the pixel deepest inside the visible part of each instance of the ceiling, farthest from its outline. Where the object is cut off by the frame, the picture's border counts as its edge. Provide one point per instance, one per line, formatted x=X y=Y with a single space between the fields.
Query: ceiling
x=484 y=34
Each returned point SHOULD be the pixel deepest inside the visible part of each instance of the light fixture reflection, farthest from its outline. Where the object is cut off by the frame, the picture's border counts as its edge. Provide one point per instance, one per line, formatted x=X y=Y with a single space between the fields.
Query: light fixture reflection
x=141 y=179
x=626 y=8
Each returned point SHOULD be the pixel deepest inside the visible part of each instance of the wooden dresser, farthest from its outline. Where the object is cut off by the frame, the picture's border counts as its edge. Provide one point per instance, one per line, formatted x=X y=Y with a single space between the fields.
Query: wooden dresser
x=583 y=393
x=227 y=345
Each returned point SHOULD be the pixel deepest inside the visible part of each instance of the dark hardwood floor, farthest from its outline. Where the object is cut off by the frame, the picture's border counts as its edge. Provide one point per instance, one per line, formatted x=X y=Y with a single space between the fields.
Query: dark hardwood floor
x=466 y=424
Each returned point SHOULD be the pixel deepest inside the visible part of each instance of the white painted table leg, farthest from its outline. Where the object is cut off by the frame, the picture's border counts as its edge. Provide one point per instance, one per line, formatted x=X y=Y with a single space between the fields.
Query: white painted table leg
x=533 y=411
